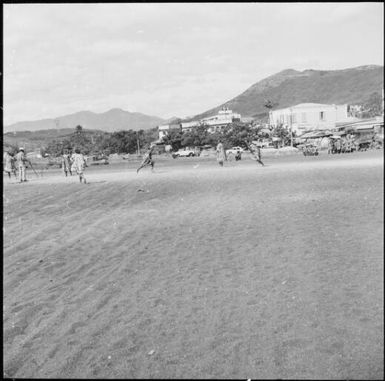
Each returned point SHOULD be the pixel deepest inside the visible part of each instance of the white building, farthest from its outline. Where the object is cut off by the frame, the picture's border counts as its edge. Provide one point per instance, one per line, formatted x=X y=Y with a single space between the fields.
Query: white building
x=222 y=119
x=213 y=123
x=163 y=131
x=310 y=116
x=375 y=124
x=188 y=126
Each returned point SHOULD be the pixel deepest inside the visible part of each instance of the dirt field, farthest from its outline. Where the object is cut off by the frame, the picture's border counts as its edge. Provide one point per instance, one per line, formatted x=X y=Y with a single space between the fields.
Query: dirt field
x=197 y=271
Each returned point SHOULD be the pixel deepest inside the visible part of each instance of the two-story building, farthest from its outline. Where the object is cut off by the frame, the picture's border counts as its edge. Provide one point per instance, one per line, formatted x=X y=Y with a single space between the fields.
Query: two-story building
x=369 y=127
x=224 y=117
x=164 y=129
x=310 y=116
x=213 y=123
x=189 y=126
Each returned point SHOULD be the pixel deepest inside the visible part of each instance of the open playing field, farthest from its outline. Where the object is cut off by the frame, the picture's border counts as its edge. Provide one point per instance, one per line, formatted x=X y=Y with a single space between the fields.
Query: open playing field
x=197 y=271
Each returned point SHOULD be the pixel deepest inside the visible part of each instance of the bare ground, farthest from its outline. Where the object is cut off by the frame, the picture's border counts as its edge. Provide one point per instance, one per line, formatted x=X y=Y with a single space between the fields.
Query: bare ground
x=197 y=271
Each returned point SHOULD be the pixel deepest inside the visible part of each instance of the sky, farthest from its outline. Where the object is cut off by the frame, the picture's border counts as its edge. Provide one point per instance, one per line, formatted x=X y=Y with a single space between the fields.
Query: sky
x=171 y=59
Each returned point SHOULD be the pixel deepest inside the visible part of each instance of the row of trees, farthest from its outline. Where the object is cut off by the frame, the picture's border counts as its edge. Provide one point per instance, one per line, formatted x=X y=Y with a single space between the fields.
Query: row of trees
x=234 y=134
x=92 y=143
x=373 y=106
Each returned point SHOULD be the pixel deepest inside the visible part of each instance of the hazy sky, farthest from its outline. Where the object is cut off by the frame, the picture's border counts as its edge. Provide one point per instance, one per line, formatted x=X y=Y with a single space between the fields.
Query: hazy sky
x=171 y=59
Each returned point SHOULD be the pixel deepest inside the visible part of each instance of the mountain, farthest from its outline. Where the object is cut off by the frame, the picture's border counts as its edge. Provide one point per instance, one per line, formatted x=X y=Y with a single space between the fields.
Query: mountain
x=110 y=121
x=33 y=140
x=172 y=120
x=291 y=87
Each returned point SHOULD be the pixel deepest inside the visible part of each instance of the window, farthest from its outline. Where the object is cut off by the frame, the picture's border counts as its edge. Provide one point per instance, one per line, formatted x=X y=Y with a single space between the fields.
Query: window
x=322 y=115
x=294 y=118
x=304 y=117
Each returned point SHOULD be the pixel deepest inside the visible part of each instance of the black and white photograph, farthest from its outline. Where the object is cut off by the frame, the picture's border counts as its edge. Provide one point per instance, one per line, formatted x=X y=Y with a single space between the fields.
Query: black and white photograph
x=193 y=190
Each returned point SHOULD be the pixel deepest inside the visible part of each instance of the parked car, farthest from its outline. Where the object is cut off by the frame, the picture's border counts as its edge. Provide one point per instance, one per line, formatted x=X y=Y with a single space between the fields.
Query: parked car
x=308 y=149
x=183 y=153
x=235 y=150
x=267 y=145
x=97 y=160
x=362 y=143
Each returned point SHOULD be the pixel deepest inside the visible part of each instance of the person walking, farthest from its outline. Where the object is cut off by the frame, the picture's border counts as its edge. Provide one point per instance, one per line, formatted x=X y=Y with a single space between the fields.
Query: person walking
x=65 y=162
x=9 y=163
x=338 y=145
x=238 y=155
x=221 y=153
x=256 y=152
x=147 y=160
x=21 y=160
x=78 y=164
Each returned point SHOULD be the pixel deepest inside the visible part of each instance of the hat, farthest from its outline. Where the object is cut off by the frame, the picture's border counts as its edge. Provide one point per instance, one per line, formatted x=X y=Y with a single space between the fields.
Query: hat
x=21 y=149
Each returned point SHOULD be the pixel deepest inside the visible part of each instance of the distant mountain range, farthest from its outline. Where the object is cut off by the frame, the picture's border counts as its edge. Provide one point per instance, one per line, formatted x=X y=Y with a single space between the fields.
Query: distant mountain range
x=113 y=120
x=284 y=89
x=291 y=87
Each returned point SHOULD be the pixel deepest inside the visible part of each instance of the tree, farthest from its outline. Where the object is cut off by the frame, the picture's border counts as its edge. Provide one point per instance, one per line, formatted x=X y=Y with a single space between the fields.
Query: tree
x=270 y=105
x=373 y=106
x=174 y=139
x=196 y=137
x=121 y=142
x=283 y=133
x=148 y=136
x=237 y=133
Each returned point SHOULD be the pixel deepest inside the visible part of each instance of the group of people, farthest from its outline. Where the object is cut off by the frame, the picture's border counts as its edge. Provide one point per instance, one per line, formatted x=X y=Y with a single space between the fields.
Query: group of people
x=74 y=163
x=341 y=145
x=220 y=150
x=16 y=163
x=254 y=149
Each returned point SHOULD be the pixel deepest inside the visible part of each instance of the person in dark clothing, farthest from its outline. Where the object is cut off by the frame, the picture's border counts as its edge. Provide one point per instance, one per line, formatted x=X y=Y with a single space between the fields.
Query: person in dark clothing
x=147 y=160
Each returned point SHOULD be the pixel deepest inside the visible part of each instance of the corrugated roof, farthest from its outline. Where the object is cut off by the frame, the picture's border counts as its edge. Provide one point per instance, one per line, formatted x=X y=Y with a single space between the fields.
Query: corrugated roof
x=310 y=105
x=302 y=105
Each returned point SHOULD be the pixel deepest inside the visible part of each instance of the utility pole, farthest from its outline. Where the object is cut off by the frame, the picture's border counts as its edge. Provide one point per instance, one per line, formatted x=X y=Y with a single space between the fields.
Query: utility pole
x=137 y=141
x=291 y=127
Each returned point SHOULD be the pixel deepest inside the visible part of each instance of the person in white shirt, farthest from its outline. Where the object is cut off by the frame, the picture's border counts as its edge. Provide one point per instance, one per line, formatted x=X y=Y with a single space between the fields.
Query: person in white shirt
x=221 y=153
x=21 y=160
x=78 y=164
x=9 y=165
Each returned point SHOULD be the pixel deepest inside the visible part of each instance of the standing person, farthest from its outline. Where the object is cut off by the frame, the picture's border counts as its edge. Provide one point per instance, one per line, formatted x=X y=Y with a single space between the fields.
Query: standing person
x=78 y=163
x=147 y=160
x=338 y=145
x=9 y=163
x=256 y=152
x=65 y=162
x=21 y=160
x=330 y=146
x=221 y=153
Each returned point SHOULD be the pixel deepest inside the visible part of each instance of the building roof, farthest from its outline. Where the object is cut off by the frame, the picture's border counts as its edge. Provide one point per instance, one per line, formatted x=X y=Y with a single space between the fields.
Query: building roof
x=308 y=105
x=193 y=123
x=304 y=105
x=361 y=122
